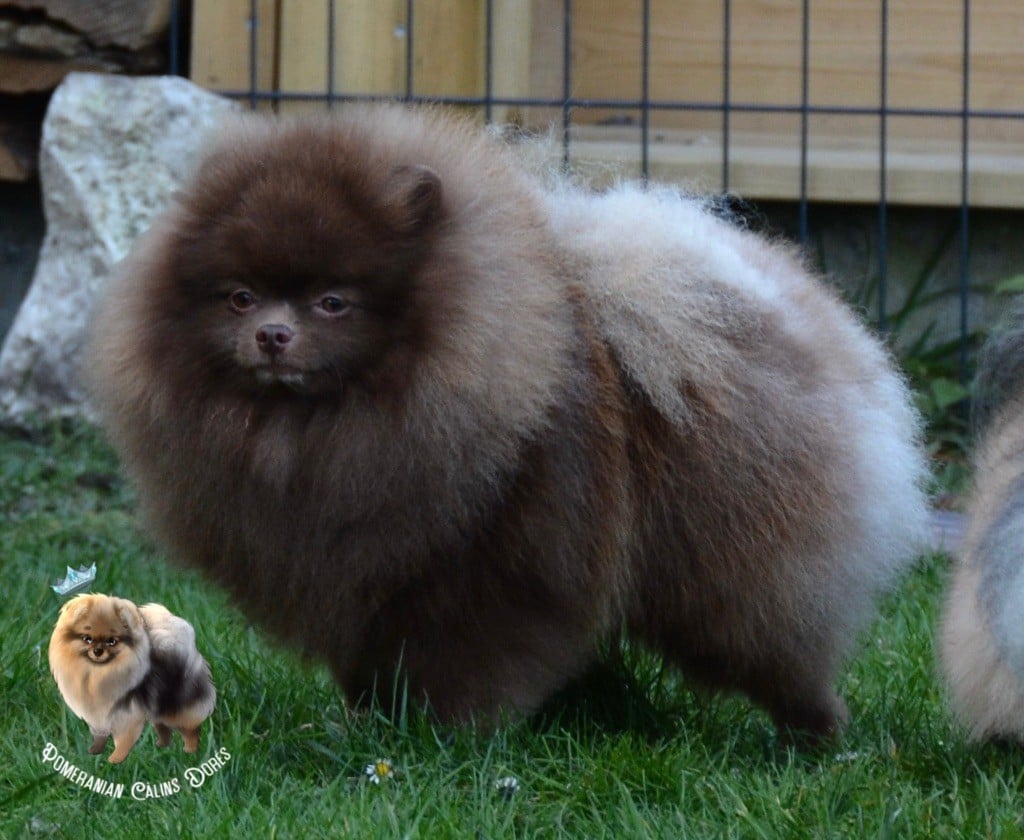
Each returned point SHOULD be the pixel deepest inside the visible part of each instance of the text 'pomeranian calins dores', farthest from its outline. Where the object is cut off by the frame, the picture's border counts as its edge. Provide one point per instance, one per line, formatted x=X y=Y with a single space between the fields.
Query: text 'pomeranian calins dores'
x=412 y=408
x=118 y=665
x=982 y=632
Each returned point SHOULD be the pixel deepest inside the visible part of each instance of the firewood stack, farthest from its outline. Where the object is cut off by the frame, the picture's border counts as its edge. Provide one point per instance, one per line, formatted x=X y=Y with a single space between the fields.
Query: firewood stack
x=41 y=41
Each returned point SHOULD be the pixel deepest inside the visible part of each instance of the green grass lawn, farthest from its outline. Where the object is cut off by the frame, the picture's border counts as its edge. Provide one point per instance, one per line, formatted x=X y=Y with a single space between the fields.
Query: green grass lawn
x=630 y=752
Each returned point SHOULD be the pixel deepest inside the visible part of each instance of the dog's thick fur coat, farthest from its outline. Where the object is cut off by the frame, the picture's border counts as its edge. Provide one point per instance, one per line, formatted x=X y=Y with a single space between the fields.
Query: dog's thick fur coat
x=982 y=633
x=566 y=412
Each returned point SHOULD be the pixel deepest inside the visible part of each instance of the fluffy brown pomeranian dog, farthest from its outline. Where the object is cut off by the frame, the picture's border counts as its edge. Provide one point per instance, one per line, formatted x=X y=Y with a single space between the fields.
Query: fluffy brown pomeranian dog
x=981 y=639
x=118 y=665
x=437 y=422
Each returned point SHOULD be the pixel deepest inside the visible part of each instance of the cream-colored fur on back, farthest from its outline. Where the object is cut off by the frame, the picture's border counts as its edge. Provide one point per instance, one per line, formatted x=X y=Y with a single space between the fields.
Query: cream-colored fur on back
x=665 y=288
x=169 y=633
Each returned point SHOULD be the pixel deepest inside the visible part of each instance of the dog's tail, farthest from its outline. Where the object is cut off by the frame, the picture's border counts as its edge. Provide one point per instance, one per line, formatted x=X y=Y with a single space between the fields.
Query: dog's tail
x=982 y=638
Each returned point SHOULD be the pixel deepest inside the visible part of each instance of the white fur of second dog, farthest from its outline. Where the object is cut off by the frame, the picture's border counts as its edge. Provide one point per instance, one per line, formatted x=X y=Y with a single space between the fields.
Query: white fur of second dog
x=982 y=634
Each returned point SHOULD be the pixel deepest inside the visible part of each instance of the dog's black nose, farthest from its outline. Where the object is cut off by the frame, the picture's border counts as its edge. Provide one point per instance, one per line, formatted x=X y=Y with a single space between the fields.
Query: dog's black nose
x=272 y=338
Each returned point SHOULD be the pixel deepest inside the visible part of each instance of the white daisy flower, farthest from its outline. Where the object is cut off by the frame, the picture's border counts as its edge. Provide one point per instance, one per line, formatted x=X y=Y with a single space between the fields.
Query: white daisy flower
x=379 y=769
x=507 y=786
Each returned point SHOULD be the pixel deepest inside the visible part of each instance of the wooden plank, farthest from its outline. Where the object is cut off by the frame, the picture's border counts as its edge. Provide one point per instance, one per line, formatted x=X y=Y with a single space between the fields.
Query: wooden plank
x=511 y=28
x=38 y=74
x=222 y=47
x=448 y=48
x=369 y=48
x=303 y=51
x=767 y=166
x=370 y=42
x=131 y=24
x=450 y=51
x=686 y=52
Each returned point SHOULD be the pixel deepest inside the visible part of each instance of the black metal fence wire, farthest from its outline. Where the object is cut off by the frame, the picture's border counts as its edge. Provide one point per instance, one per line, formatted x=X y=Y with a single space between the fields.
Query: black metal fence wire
x=568 y=104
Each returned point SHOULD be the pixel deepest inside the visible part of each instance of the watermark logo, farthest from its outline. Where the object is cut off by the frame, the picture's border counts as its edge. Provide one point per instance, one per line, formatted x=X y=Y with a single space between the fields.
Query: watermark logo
x=79 y=776
x=194 y=777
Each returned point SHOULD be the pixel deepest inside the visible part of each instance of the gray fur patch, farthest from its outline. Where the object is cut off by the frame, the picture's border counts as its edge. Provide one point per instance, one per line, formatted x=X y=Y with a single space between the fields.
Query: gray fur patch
x=1001 y=589
x=1000 y=373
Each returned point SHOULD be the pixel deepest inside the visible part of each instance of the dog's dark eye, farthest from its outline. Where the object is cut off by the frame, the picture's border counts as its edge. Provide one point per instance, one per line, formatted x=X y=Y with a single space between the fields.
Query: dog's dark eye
x=242 y=300
x=87 y=639
x=334 y=305
x=112 y=642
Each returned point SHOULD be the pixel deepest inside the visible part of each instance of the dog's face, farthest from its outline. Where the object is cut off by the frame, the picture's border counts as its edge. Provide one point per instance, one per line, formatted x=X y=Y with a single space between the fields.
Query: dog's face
x=293 y=273
x=100 y=639
x=98 y=631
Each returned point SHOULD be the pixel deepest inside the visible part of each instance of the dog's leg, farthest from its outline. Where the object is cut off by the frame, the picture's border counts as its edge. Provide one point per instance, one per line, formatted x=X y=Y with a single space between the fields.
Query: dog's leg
x=164 y=733
x=125 y=740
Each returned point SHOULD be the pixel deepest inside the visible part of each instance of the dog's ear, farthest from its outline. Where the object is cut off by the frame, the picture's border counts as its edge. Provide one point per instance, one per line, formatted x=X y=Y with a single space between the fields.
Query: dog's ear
x=413 y=197
x=128 y=614
x=76 y=607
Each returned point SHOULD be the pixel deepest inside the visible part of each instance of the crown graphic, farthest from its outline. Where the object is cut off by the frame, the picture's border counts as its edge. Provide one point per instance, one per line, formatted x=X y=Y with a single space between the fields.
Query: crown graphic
x=76 y=580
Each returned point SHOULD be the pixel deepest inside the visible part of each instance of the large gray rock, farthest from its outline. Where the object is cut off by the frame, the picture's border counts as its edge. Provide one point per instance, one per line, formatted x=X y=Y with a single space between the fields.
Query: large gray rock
x=113 y=151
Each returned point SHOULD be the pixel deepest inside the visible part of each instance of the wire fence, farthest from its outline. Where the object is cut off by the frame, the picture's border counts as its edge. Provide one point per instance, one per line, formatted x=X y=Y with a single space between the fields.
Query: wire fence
x=568 y=103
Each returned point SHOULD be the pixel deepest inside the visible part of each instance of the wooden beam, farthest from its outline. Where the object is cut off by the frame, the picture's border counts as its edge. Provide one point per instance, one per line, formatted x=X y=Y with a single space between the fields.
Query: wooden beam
x=222 y=45
x=371 y=48
x=839 y=168
x=925 y=40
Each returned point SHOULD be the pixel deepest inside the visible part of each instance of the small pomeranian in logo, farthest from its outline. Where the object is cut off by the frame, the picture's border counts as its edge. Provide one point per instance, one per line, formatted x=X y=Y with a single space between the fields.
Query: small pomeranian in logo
x=118 y=665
